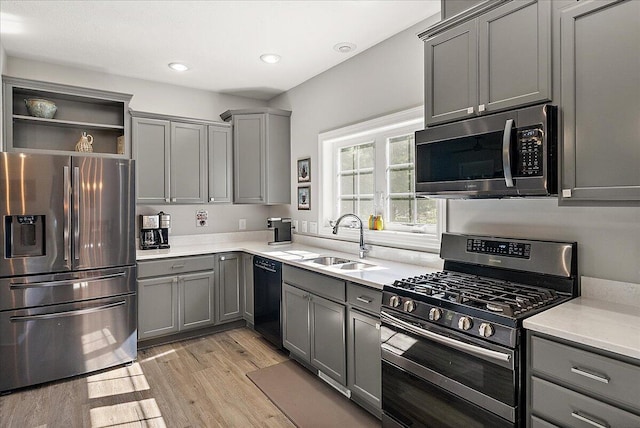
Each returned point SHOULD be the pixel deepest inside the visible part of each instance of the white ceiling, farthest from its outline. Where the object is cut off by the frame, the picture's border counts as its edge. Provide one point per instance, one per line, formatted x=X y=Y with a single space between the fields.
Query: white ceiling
x=220 y=40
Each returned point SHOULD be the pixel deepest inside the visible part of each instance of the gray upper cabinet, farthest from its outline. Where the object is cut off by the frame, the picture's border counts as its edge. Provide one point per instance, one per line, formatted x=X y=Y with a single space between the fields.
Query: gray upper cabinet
x=600 y=89
x=496 y=61
x=103 y=115
x=188 y=172
x=229 y=292
x=262 y=159
x=151 y=139
x=220 y=164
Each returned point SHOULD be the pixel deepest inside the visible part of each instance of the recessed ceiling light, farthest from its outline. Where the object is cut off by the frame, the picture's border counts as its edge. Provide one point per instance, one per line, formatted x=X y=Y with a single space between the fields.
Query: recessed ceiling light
x=344 y=47
x=178 y=66
x=270 y=58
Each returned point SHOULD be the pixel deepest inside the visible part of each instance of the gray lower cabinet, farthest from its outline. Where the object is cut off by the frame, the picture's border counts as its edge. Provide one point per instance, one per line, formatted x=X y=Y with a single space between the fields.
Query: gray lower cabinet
x=229 y=292
x=364 y=366
x=577 y=386
x=247 y=288
x=314 y=320
x=499 y=60
x=174 y=295
x=262 y=154
x=600 y=88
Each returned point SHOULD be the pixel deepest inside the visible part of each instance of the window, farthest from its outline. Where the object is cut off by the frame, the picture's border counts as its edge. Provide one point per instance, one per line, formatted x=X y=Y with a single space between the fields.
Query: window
x=368 y=169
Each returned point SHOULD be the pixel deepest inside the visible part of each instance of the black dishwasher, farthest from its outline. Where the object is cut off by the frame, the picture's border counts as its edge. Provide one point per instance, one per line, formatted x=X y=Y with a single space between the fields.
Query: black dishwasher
x=267 y=286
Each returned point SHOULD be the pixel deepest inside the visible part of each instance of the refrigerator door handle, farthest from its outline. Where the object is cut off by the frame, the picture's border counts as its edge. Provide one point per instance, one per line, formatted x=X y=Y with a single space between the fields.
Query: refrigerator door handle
x=76 y=212
x=25 y=318
x=71 y=281
x=67 y=213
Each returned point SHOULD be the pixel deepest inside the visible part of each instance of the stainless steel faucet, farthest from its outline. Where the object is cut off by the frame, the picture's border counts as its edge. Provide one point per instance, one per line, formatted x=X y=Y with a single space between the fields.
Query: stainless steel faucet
x=336 y=223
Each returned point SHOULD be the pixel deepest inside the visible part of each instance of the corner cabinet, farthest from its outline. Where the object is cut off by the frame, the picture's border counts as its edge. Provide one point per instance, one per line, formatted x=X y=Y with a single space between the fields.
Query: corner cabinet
x=569 y=384
x=228 y=290
x=103 y=115
x=600 y=93
x=499 y=60
x=262 y=155
x=181 y=160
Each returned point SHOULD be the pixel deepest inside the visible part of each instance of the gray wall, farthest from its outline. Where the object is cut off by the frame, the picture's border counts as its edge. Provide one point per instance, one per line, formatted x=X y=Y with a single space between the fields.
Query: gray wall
x=164 y=99
x=388 y=78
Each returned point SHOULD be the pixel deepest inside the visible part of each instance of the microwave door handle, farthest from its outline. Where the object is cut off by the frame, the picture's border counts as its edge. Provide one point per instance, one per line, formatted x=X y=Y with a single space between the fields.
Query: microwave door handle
x=506 y=152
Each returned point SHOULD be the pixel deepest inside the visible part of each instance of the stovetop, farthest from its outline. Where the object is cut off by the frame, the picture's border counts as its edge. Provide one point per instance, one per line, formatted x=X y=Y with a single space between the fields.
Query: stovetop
x=506 y=298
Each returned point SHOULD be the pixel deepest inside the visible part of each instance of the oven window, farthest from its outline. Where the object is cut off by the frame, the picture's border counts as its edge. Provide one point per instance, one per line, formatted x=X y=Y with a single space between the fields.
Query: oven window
x=464 y=158
x=481 y=375
x=418 y=403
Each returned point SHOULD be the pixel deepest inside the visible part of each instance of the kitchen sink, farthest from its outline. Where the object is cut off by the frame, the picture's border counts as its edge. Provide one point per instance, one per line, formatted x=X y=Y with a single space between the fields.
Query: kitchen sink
x=330 y=261
x=356 y=266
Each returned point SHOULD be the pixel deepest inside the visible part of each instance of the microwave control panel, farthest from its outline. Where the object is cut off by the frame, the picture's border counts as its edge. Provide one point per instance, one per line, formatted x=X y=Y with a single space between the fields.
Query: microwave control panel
x=530 y=151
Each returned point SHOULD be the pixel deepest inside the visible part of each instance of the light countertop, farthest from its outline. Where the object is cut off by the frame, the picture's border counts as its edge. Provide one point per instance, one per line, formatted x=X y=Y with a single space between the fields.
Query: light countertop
x=383 y=272
x=610 y=325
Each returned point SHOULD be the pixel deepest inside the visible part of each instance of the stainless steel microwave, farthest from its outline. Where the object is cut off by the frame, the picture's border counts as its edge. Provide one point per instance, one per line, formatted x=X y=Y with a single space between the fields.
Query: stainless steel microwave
x=514 y=153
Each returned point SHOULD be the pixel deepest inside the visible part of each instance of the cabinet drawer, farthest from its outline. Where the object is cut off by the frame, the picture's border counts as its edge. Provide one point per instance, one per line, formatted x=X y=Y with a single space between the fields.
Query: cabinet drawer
x=368 y=299
x=316 y=283
x=571 y=409
x=174 y=266
x=541 y=423
x=604 y=376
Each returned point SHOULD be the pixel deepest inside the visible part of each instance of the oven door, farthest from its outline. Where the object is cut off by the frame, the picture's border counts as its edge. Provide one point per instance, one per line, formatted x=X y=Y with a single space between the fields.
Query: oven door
x=436 y=377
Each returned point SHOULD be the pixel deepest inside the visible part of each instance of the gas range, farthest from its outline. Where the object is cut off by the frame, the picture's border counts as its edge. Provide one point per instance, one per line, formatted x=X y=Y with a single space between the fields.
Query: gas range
x=451 y=340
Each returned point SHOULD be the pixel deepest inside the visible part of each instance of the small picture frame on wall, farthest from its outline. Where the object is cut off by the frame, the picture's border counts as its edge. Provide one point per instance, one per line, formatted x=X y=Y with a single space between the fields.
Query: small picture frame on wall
x=304 y=198
x=304 y=170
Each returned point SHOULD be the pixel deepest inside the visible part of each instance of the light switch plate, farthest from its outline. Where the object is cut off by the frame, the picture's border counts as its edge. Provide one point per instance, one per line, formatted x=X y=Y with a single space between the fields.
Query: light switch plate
x=294 y=225
x=313 y=227
x=242 y=224
x=304 y=226
x=202 y=218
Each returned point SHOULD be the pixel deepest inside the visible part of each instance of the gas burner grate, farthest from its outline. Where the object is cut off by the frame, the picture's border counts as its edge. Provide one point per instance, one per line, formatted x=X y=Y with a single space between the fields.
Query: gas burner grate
x=494 y=295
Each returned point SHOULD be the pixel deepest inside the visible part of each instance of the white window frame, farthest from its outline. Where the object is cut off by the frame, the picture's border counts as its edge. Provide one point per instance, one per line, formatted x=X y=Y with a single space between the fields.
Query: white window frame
x=382 y=128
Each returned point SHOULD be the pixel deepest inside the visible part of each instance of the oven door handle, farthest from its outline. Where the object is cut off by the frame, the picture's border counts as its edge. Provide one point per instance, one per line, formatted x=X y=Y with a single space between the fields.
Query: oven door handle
x=444 y=340
x=506 y=152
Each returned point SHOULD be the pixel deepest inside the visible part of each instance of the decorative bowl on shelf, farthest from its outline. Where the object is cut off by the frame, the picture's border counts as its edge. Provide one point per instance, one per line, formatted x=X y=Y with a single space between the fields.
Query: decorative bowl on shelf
x=39 y=107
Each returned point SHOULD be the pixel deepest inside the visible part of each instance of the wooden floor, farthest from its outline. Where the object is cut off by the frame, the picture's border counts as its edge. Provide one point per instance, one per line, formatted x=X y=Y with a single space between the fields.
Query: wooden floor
x=196 y=383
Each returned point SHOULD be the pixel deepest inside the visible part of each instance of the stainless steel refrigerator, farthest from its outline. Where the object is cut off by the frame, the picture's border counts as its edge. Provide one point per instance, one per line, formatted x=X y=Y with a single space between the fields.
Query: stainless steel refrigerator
x=67 y=266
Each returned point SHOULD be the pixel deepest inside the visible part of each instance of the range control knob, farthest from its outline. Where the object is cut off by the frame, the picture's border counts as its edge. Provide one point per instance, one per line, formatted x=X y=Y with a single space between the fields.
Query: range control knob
x=465 y=323
x=486 y=329
x=435 y=314
x=409 y=305
x=394 y=301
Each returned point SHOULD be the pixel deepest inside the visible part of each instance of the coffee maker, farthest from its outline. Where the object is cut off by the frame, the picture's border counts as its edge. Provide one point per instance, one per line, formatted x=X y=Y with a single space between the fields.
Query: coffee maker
x=154 y=231
x=281 y=230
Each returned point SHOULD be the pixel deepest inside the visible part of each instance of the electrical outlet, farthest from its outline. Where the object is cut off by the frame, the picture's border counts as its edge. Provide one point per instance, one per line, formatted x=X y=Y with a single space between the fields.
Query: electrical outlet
x=202 y=218
x=294 y=225
x=242 y=223
x=304 y=226
x=313 y=227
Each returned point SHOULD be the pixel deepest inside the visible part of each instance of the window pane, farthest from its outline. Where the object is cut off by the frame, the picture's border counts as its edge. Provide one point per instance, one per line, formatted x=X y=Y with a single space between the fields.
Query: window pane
x=347 y=160
x=347 y=185
x=366 y=155
x=346 y=206
x=427 y=211
x=401 y=181
x=365 y=209
x=400 y=210
x=401 y=149
x=366 y=183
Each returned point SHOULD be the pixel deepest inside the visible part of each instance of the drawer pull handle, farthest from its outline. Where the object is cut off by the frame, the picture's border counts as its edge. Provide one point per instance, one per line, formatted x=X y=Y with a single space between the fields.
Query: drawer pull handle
x=177 y=266
x=589 y=420
x=364 y=300
x=582 y=372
